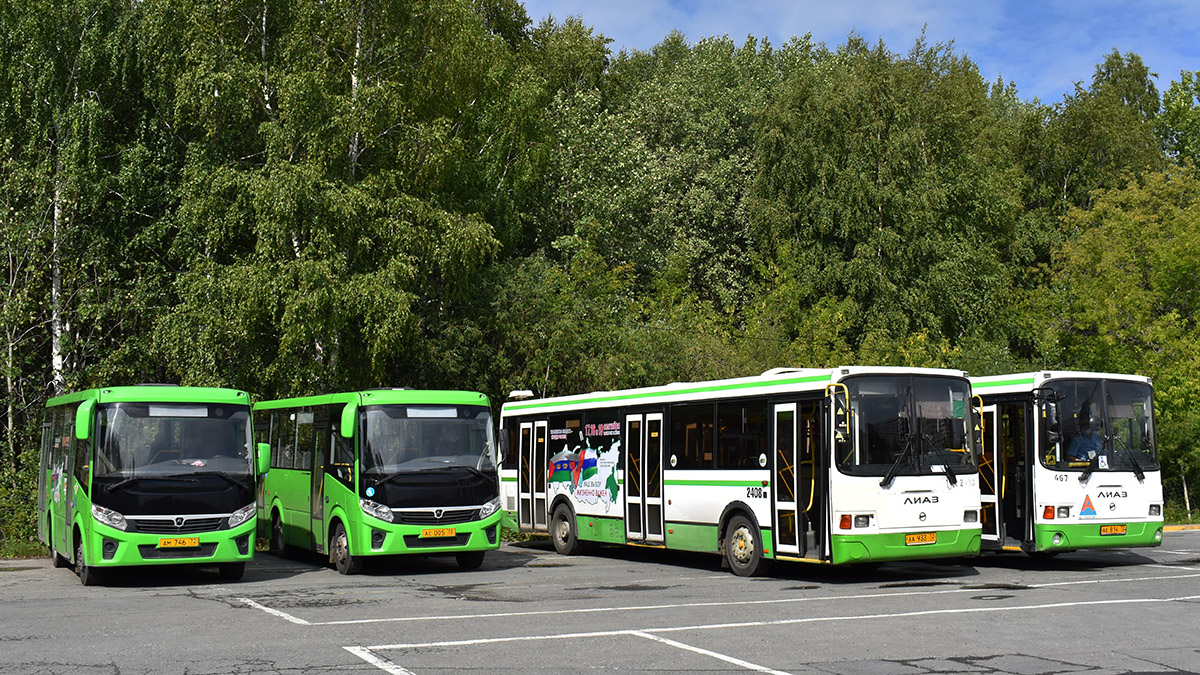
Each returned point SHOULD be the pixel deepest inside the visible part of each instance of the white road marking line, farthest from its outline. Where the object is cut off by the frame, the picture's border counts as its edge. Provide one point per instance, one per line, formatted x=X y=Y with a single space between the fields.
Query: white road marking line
x=723 y=657
x=377 y=661
x=1122 y=579
x=1185 y=552
x=283 y=615
x=780 y=622
x=1177 y=567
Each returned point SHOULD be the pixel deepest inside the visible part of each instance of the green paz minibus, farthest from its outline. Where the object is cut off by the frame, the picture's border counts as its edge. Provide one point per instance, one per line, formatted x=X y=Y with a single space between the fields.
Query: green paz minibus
x=148 y=475
x=380 y=472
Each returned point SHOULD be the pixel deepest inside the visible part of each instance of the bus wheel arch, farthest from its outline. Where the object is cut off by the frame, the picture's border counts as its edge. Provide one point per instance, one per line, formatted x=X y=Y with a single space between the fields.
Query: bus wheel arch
x=88 y=575
x=279 y=543
x=339 y=550
x=563 y=530
x=741 y=542
x=56 y=560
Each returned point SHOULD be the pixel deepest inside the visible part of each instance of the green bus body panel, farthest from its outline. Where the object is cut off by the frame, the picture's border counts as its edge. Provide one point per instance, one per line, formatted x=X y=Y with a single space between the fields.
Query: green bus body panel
x=848 y=548
x=692 y=537
x=154 y=394
x=603 y=529
x=983 y=384
x=1087 y=535
x=381 y=397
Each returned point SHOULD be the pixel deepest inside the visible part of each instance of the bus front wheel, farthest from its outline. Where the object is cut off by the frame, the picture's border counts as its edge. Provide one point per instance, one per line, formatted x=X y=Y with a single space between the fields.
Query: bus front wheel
x=340 y=552
x=88 y=576
x=470 y=560
x=566 y=541
x=743 y=547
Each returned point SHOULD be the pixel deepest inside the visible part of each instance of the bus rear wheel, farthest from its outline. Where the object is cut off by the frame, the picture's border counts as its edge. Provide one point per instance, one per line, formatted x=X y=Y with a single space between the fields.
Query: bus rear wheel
x=232 y=571
x=743 y=547
x=88 y=576
x=470 y=560
x=56 y=560
x=562 y=529
x=339 y=550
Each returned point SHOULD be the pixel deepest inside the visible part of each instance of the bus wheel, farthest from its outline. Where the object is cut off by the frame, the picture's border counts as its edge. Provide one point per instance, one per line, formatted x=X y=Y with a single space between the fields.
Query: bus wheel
x=278 y=544
x=88 y=576
x=232 y=571
x=562 y=529
x=470 y=560
x=56 y=560
x=743 y=547
x=340 y=552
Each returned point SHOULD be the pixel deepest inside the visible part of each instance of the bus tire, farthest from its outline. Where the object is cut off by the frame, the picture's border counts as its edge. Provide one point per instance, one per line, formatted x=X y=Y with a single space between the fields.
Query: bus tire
x=743 y=547
x=339 y=551
x=56 y=560
x=562 y=531
x=88 y=576
x=279 y=545
x=231 y=571
x=470 y=560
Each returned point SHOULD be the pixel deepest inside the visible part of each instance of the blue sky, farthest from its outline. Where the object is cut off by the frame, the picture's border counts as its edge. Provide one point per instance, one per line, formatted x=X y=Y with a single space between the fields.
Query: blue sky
x=1045 y=47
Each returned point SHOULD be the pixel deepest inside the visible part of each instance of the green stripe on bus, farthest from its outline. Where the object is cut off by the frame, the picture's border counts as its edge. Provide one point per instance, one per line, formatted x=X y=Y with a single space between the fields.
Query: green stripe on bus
x=1002 y=383
x=508 y=479
x=718 y=483
x=674 y=392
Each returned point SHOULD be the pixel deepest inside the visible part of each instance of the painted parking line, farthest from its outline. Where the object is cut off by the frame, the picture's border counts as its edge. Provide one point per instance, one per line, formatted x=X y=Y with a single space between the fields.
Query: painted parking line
x=687 y=605
x=370 y=653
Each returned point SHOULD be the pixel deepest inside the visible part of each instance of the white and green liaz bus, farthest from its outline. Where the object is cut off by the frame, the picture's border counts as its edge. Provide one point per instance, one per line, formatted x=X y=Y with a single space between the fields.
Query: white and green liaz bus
x=840 y=465
x=380 y=472
x=1069 y=462
x=148 y=475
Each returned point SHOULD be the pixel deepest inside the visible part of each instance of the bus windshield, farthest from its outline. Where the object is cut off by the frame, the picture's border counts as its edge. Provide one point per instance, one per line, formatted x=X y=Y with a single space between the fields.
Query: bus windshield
x=151 y=440
x=1098 y=425
x=907 y=425
x=413 y=438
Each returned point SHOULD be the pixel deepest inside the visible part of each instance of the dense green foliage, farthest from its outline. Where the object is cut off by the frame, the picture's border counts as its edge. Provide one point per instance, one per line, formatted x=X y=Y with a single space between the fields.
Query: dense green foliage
x=290 y=197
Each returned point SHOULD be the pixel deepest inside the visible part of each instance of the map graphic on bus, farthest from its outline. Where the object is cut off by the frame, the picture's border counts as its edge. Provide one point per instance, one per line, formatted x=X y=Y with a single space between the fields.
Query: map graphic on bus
x=587 y=473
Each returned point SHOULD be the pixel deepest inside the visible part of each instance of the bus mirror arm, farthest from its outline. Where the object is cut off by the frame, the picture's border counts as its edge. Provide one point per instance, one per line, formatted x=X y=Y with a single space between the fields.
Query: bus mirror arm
x=262 y=458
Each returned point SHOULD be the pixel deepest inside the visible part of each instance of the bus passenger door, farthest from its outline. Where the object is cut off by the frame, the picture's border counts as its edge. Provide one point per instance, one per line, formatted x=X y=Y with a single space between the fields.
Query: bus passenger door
x=990 y=477
x=653 y=488
x=787 y=541
x=634 y=502
x=317 y=493
x=525 y=477
x=540 y=477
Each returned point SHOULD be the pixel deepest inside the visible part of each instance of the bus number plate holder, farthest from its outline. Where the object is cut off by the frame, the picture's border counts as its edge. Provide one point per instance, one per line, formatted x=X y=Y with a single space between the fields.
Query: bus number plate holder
x=920 y=538
x=434 y=532
x=179 y=542
x=1112 y=529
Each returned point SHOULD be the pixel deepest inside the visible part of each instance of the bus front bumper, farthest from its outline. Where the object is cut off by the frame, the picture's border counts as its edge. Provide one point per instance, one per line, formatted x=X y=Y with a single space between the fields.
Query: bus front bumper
x=1075 y=536
x=888 y=546
x=110 y=547
x=378 y=537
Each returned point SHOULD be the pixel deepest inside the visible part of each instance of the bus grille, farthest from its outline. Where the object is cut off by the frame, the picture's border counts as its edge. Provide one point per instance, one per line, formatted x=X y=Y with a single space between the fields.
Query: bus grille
x=167 y=526
x=152 y=552
x=429 y=517
x=415 y=541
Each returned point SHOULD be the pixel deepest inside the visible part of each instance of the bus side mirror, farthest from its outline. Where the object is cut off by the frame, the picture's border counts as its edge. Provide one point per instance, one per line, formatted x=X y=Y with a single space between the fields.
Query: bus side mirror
x=503 y=443
x=262 y=458
x=83 y=419
x=346 y=426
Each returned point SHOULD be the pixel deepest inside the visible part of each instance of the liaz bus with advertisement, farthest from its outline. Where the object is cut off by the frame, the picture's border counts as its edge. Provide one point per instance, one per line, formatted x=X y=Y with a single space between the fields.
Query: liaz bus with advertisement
x=148 y=475
x=1069 y=462
x=380 y=472
x=842 y=465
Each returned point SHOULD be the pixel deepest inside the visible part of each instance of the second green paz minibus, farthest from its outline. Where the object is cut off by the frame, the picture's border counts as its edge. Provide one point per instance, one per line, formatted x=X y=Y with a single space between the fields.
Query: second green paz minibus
x=380 y=472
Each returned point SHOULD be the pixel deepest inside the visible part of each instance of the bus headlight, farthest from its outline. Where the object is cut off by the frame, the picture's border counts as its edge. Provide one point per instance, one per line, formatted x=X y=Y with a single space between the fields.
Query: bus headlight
x=241 y=515
x=109 y=517
x=1064 y=512
x=1155 y=509
x=489 y=508
x=376 y=510
x=970 y=516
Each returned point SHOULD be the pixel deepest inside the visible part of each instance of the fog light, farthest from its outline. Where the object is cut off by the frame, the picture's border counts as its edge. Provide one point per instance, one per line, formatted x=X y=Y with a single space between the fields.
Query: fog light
x=1048 y=513
x=377 y=539
x=1057 y=539
x=1155 y=509
x=1064 y=512
x=243 y=544
x=844 y=522
x=970 y=516
x=490 y=531
x=110 y=549
x=862 y=521
x=1158 y=535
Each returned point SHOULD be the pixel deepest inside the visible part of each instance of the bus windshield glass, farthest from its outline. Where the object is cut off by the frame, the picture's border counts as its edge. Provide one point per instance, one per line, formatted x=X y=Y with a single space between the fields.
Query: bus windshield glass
x=1098 y=425
x=155 y=440
x=907 y=425
x=415 y=438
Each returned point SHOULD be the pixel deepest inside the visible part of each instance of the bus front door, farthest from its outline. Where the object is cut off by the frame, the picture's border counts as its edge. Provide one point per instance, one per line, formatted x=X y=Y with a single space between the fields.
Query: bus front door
x=525 y=477
x=990 y=477
x=540 y=476
x=787 y=519
x=643 y=478
x=317 y=494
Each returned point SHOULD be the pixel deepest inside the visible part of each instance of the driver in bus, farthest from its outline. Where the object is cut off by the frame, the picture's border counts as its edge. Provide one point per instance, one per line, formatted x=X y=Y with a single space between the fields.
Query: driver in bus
x=1086 y=444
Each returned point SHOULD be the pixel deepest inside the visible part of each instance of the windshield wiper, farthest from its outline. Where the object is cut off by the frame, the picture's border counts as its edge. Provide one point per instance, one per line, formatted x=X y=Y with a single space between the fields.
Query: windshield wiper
x=1137 y=467
x=945 y=465
x=1088 y=471
x=891 y=472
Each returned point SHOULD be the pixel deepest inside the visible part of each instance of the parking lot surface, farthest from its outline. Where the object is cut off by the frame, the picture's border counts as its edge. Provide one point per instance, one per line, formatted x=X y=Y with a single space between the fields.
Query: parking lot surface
x=625 y=610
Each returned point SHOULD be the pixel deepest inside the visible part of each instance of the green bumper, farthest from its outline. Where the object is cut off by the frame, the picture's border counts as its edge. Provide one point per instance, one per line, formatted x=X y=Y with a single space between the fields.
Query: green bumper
x=109 y=547
x=478 y=535
x=892 y=546
x=1077 y=536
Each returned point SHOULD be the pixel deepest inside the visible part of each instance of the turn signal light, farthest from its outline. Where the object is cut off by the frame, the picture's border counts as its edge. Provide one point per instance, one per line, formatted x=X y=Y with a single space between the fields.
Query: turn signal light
x=845 y=522
x=1048 y=513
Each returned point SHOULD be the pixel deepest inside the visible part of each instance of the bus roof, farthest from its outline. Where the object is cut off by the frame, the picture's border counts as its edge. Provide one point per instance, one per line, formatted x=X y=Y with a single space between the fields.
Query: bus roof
x=382 y=397
x=1023 y=382
x=774 y=381
x=155 y=393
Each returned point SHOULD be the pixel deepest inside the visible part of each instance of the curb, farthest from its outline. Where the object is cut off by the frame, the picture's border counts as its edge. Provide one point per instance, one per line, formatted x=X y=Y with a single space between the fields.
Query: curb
x=1178 y=528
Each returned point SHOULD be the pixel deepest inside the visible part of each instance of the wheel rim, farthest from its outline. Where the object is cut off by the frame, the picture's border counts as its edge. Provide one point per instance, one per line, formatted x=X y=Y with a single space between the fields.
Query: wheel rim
x=741 y=545
x=564 y=530
x=341 y=549
x=277 y=534
x=79 y=565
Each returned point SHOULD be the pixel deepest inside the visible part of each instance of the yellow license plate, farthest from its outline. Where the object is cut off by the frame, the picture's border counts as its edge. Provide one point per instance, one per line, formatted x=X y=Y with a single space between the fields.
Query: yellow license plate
x=920 y=538
x=437 y=532
x=179 y=542
x=1112 y=529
